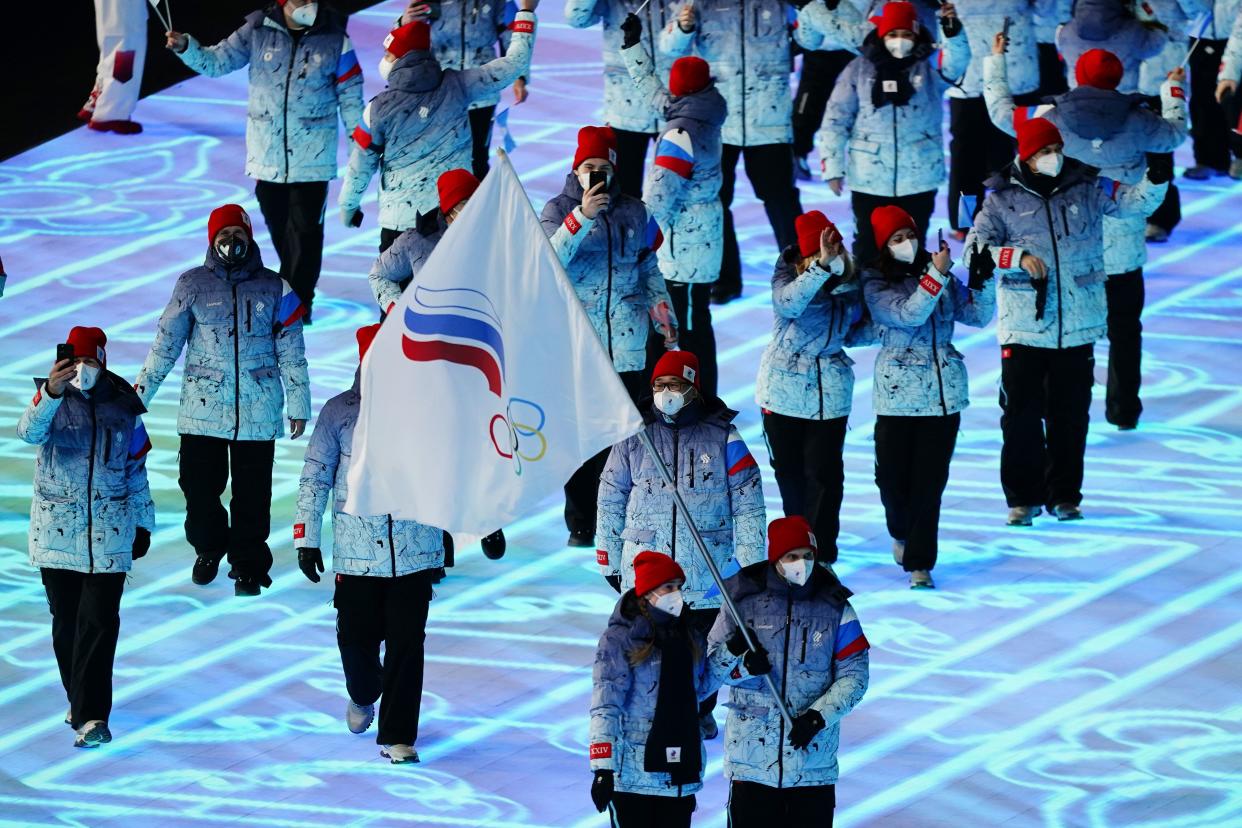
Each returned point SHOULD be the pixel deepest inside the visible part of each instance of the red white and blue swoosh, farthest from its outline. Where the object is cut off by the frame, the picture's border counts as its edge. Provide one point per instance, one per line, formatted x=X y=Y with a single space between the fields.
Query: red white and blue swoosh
x=676 y=152
x=457 y=325
x=291 y=308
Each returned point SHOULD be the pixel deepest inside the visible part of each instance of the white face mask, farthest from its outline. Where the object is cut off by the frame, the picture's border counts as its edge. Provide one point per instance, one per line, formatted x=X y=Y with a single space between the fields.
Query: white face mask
x=84 y=379
x=670 y=602
x=1050 y=164
x=898 y=47
x=669 y=402
x=797 y=573
x=305 y=15
x=385 y=66
x=903 y=251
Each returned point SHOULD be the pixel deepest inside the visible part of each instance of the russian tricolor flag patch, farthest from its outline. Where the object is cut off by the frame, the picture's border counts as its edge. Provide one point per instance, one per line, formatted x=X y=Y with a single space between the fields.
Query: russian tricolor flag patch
x=139 y=442
x=737 y=457
x=676 y=152
x=348 y=66
x=850 y=639
x=291 y=308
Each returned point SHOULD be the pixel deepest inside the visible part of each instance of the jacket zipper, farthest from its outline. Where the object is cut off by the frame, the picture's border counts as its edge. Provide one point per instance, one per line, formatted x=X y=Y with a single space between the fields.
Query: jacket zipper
x=1056 y=260
x=936 y=359
x=90 y=487
x=608 y=296
x=1065 y=221
x=248 y=304
x=236 y=371
x=463 y=34
x=650 y=31
x=896 y=148
x=392 y=548
x=741 y=25
x=803 y=659
x=780 y=755
x=293 y=58
x=819 y=383
x=676 y=449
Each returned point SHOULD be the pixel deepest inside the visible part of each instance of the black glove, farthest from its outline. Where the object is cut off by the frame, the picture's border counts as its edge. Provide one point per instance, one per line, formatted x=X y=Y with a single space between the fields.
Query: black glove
x=804 y=729
x=310 y=559
x=632 y=29
x=601 y=790
x=832 y=4
x=1159 y=168
x=755 y=661
x=951 y=26
x=614 y=581
x=982 y=265
x=1041 y=297
x=142 y=542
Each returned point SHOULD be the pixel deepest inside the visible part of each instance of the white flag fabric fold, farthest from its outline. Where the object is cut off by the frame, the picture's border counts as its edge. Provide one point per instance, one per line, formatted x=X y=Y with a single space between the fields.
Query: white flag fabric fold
x=486 y=387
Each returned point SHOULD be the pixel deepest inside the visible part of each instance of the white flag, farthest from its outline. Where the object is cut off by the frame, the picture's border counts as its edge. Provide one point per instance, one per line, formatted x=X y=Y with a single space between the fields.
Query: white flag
x=486 y=388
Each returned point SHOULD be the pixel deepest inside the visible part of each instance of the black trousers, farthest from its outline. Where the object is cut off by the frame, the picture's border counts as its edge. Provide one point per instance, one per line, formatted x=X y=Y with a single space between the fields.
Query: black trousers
x=1052 y=80
x=1125 y=293
x=703 y=620
x=1209 y=129
x=810 y=472
x=912 y=457
x=815 y=81
x=582 y=490
x=693 y=306
x=920 y=206
x=752 y=805
x=631 y=156
x=976 y=149
x=1045 y=398
x=391 y=611
x=481 y=139
x=86 y=622
x=631 y=810
x=294 y=217
x=206 y=464
x=770 y=168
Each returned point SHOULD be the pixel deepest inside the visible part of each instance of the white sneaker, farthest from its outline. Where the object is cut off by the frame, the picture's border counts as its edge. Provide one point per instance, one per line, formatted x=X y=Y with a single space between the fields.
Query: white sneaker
x=921 y=579
x=899 y=551
x=1023 y=515
x=92 y=734
x=358 y=717
x=400 y=754
x=69 y=716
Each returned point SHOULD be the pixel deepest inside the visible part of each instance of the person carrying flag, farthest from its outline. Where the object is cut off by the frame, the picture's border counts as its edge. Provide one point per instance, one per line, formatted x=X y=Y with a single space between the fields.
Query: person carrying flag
x=240 y=325
x=90 y=518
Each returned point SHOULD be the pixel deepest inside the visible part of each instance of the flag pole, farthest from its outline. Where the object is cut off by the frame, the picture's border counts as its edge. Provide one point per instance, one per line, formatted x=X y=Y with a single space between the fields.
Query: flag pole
x=667 y=476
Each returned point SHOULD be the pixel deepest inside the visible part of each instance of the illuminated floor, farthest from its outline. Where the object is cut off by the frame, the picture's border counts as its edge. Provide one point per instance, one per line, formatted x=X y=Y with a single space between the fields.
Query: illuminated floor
x=1073 y=675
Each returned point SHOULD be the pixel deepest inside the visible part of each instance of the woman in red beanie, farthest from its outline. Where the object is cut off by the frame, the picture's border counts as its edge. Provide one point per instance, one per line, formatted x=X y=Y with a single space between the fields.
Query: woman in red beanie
x=920 y=383
x=650 y=673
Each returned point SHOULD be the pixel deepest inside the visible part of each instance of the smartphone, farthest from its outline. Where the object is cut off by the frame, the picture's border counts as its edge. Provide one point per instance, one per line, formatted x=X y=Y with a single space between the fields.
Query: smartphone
x=940 y=236
x=597 y=177
x=1005 y=30
x=63 y=351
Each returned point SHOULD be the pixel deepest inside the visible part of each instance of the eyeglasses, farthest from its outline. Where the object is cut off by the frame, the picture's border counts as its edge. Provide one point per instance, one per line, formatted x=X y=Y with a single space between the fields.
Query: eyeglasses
x=675 y=385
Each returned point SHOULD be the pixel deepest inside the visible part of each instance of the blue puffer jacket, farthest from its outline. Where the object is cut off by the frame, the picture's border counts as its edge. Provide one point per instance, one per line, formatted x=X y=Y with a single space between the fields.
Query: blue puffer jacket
x=893 y=150
x=90 y=484
x=242 y=330
x=378 y=545
x=295 y=91
x=1066 y=231
x=804 y=371
x=1106 y=130
x=612 y=268
x=918 y=372
x=624 y=107
x=400 y=263
x=848 y=25
x=1224 y=16
x=417 y=128
x=1048 y=20
x=747 y=44
x=1111 y=25
x=623 y=699
x=981 y=20
x=682 y=189
x=1178 y=16
x=1231 y=65
x=467 y=32
x=717 y=477
x=820 y=659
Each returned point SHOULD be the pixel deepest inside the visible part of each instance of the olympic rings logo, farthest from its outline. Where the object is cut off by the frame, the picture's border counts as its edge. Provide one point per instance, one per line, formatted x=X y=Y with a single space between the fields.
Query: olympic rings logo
x=524 y=442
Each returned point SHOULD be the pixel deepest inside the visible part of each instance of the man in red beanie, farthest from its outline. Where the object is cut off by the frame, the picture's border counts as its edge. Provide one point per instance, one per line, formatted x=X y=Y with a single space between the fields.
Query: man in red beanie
x=303 y=71
x=606 y=242
x=716 y=476
x=91 y=516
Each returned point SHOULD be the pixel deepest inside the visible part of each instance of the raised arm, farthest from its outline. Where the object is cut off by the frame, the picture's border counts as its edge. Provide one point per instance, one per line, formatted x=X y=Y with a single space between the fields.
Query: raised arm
x=641 y=68
x=496 y=74
x=996 y=93
x=36 y=421
x=890 y=306
x=228 y=55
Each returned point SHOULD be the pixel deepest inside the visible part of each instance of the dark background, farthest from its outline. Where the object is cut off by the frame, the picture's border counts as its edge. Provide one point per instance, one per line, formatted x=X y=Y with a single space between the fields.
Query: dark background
x=52 y=54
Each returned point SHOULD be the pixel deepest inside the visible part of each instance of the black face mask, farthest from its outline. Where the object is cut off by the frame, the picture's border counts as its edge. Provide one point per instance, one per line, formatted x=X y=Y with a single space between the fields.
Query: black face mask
x=232 y=250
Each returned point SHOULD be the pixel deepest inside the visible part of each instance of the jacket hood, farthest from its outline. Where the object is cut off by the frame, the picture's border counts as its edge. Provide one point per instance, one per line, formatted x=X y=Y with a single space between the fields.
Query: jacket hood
x=430 y=224
x=416 y=72
x=715 y=412
x=762 y=577
x=1099 y=19
x=707 y=106
x=627 y=616
x=237 y=273
x=1094 y=113
x=1015 y=175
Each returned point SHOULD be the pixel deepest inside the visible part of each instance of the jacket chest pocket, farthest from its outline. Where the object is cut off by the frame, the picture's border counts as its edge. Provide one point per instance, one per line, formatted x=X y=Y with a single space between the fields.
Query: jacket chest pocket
x=813 y=646
x=766 y=20
x=215 y=312
x=114 y=445
x=702 y=471
x=256 y=315
x=1071 y=221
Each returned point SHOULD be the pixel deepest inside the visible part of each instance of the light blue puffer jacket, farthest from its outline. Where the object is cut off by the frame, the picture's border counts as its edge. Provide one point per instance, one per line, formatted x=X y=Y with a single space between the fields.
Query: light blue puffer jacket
x=717 y=477
x=819 y=656
x=90 y=483
x=467 y=32
x=1231 y=65
x=847 y=26
x=417 y=128
x=402 y=261
x=1224 y=16
x=612 y=268
x=682 y=189
x=1111 y=25
x=981 y=20
x=623 y=701
x=918 y=372
x=747 y=45
x=1178 y=15
x=295 y=94
x=624 y=106
x=378 y=545
x=1066 y=231
x=893 y=150
x=804 y=371
x=241 y=328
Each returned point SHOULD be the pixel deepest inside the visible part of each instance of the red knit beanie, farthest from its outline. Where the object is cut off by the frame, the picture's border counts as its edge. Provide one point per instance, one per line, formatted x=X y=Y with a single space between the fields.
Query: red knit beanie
x=809 y=226
x=787 y=534
x=887 y=220
x=412 y=37
x=1034 y=135
x=678 y=364
x=596 y=142
x=651 y=569
x=1099 y=68
x=688 y=75
x=455 y=186
x=896 y=15
x=230 y=215
x=89 y=343
x=365 y=336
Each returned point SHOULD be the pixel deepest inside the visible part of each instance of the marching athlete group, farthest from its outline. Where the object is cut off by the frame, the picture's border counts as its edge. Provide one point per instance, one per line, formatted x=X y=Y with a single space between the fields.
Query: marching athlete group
x=1053 y=225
